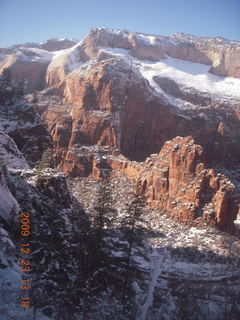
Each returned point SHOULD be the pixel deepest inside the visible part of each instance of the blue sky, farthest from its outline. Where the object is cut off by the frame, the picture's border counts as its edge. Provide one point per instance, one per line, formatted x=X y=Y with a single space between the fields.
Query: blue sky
x=37 y=20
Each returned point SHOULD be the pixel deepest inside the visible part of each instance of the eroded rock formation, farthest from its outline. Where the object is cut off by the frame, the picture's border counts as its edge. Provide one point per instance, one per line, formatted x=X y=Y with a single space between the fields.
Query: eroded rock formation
x=122 y=96
x=175 y=180
x=178 y=181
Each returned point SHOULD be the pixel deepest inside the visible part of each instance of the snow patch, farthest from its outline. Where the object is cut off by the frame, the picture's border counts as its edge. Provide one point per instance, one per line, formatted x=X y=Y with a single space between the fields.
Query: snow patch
x=189 y=76
x=34 y=54
x=147 y=39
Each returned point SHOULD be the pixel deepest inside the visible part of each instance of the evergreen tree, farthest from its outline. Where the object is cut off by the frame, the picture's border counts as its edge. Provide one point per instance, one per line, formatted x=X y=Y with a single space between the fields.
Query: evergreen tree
x=6 y=77
x=51 y=266
x=104 y=210
x=130 y=225
x=103 y=220
x=82 y=258
x=19 y=89
x=45 y=162
x=34 y=97
x=6 y=91
x=14 y=90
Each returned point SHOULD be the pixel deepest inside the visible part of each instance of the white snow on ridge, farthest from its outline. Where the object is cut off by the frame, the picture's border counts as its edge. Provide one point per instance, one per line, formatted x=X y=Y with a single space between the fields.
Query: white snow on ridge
x=69 y=57
x=191 y=75
x=188 y=75
x=55 y=40
x=73 y=60
x=34 y=54
x=124 y=33
x=147 y=39
x=116 y=52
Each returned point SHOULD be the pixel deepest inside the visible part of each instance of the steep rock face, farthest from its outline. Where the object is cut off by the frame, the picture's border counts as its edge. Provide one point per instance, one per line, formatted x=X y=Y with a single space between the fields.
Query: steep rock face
x=10 y=157
x=113 y=105
x=222 y=55
x=113 y=101
x=113 y=98
x=28 y=66
x=63 y=63
x=141 y=46
x=28 y=191
x=227 y=63
x=55 y=44
x=21 y=122
x=9 y=152
x=28 y=62
x=110 y=103
x=9 y=206
x=177 y=180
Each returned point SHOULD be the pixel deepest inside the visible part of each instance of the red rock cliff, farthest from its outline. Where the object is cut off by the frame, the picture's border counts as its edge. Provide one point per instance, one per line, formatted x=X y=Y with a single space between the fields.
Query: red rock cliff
x=178 y=181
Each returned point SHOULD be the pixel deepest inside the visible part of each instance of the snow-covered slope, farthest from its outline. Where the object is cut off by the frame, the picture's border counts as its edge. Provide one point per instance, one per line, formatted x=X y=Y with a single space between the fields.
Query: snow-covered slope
x=189 y=76
x=156 y=56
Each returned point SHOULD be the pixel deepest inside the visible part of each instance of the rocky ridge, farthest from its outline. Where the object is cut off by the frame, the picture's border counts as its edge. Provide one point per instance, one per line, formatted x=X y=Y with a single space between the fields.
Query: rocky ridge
x=112 y=93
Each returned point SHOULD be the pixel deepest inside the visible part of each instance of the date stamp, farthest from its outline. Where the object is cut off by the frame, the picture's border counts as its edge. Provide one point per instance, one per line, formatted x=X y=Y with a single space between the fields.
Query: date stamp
x=25 y=261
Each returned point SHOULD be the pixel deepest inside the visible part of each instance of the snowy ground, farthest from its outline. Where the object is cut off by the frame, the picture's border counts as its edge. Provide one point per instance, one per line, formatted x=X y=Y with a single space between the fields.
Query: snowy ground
x=173 y=257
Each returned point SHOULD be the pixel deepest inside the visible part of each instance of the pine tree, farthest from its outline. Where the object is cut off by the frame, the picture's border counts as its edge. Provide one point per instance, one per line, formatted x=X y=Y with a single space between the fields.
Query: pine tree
x=130 y=225
x=104 y=210
x=6 y=90
x=81 y=258
x=52 y=269
x=6 y=76
x=34 y=97
x=103 y=220
x=45 y=162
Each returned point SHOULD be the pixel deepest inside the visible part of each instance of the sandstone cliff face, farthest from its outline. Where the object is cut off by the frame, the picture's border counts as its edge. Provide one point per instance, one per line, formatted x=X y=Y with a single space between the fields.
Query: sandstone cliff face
x=106 y=108
x=53 y=44
x=111 y=104
x=222 y=55
x=177 y=180
x=28 y=62
x=126 y=110
x=140 y=46
x=28 y=66
x=227 y=63
x=114 y=102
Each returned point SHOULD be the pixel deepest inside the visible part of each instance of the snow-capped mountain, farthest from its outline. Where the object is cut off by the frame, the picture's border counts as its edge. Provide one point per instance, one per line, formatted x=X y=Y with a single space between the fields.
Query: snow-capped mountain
x=160 y=115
